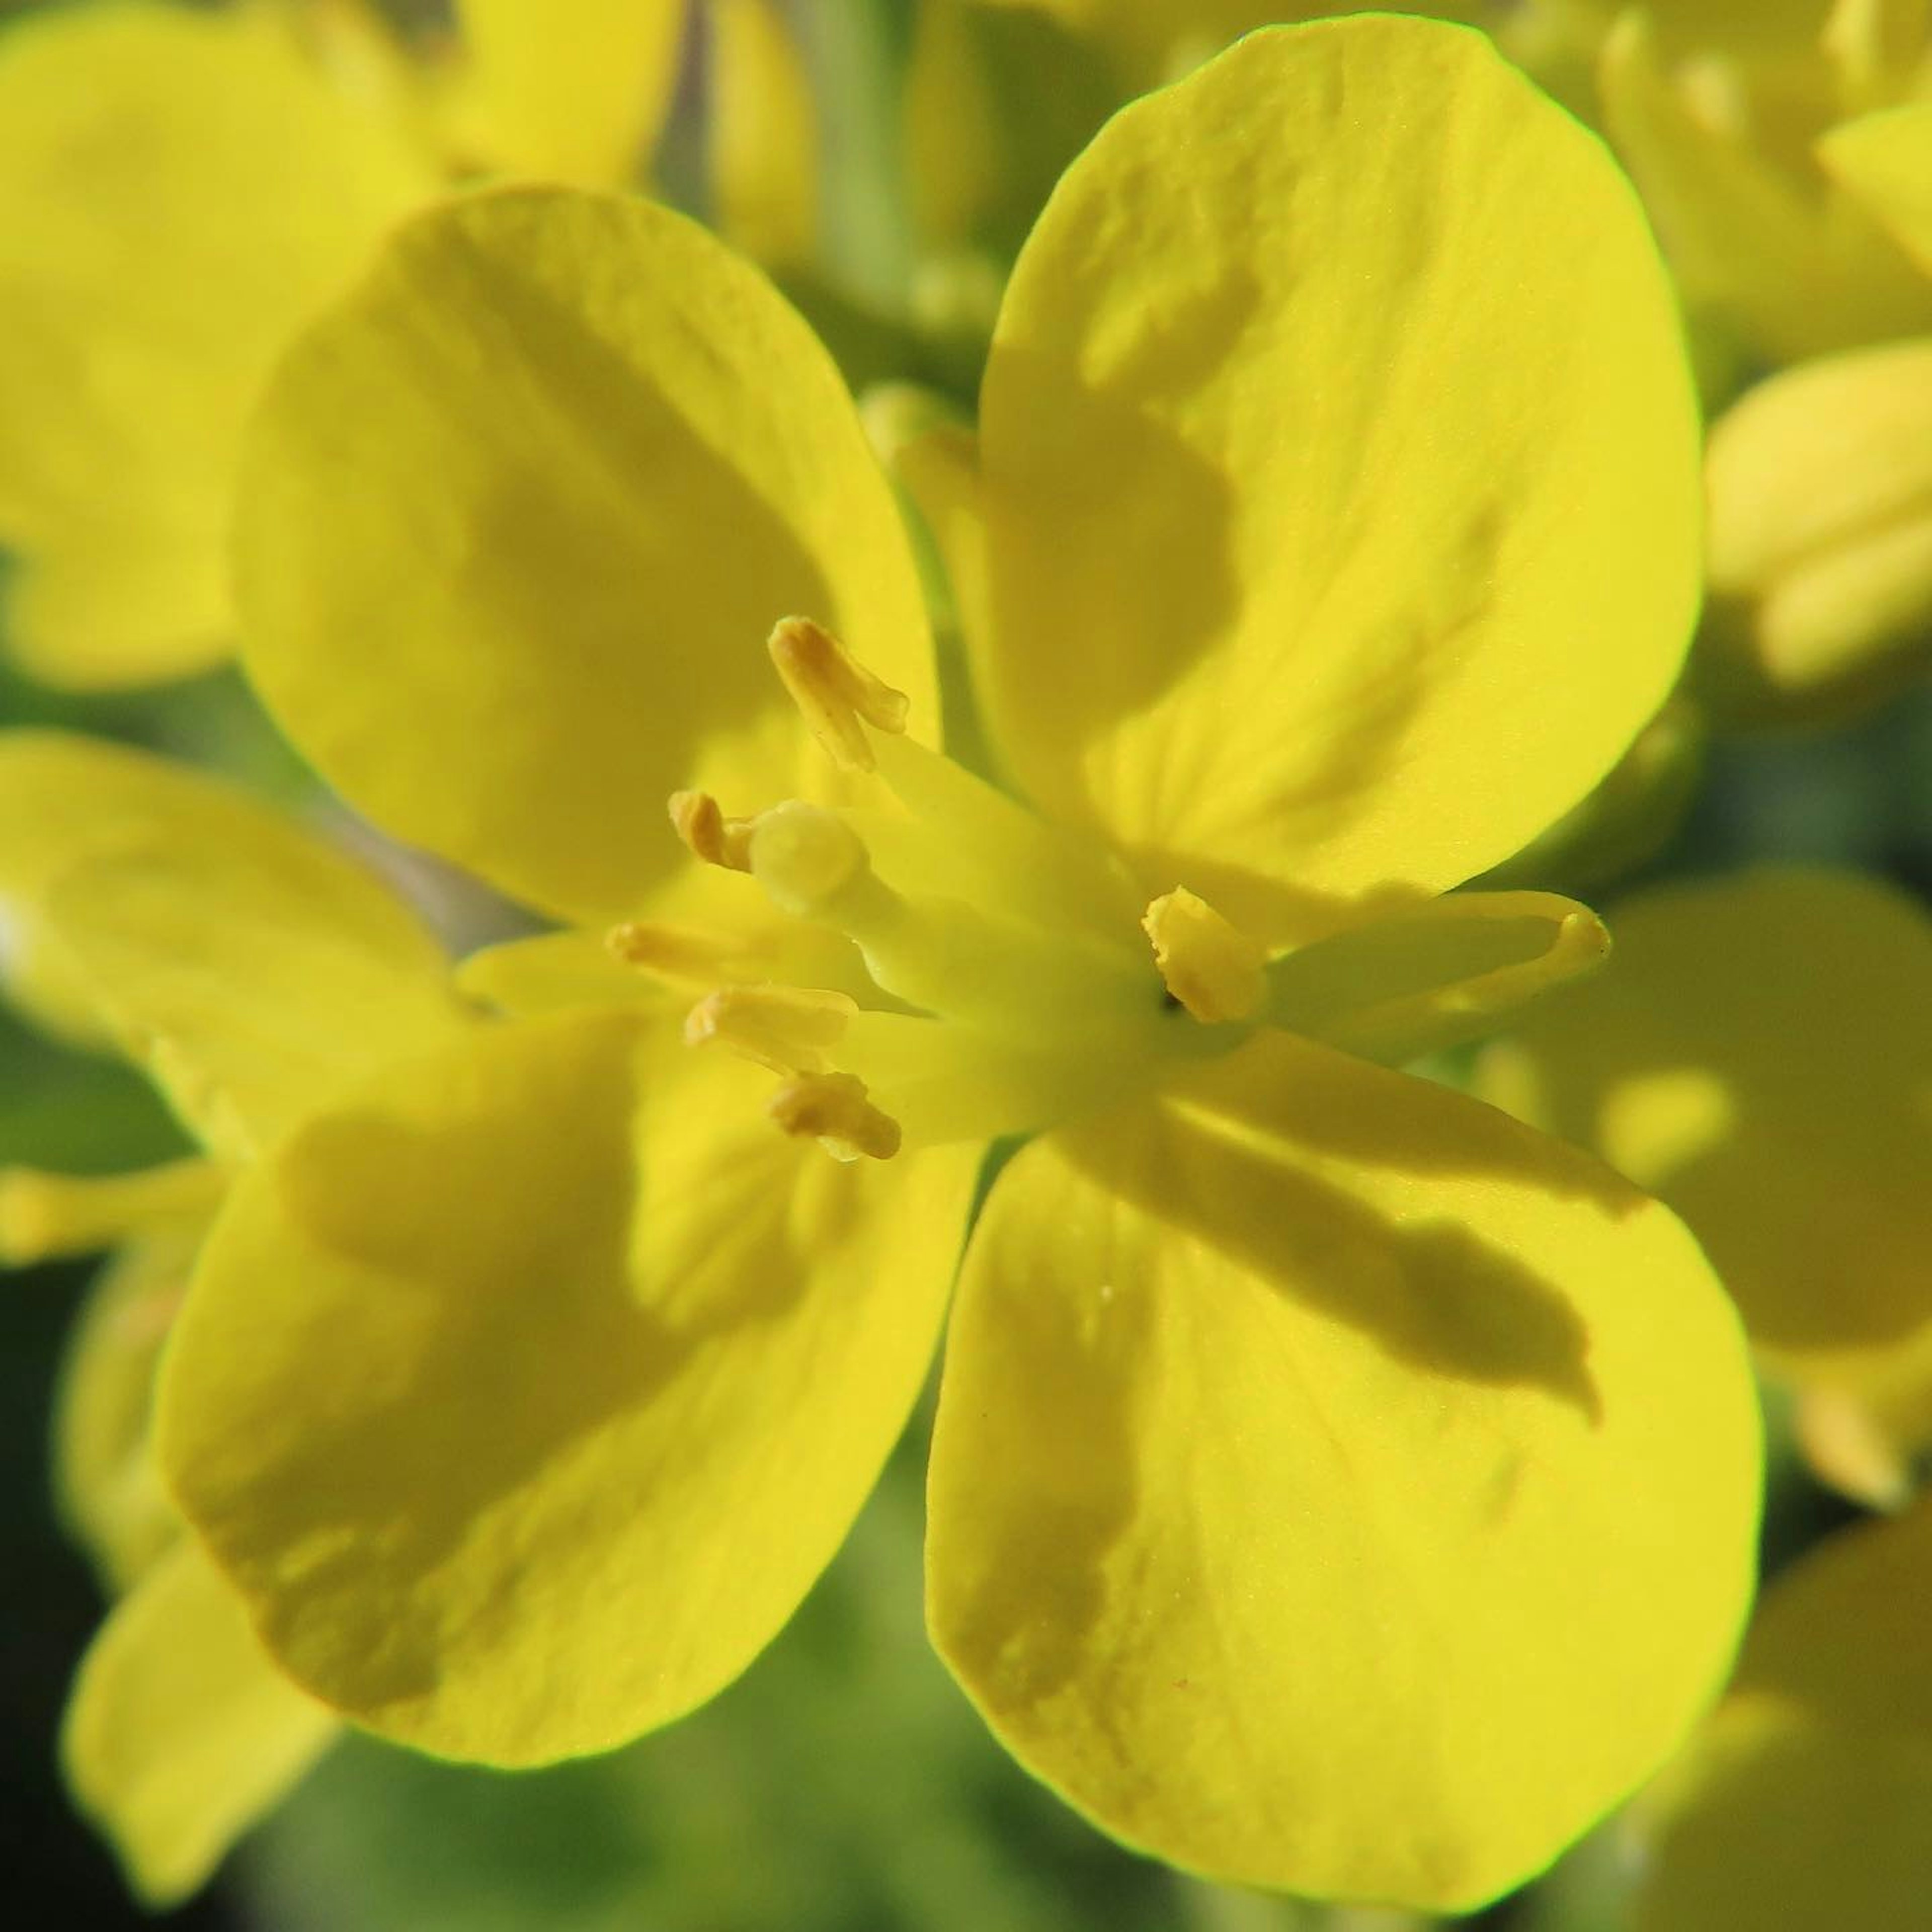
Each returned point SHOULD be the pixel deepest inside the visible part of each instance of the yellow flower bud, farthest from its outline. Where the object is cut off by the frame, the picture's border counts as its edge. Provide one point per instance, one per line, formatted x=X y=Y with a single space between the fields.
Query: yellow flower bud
x=1820 y=563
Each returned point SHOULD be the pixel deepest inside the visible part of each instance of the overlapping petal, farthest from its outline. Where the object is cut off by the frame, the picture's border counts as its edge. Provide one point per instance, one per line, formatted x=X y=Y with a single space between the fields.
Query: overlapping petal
x=545 y=482
x=1802 y=1806
x=1336 y=1487
x=109 y=1489
x=178 y=188
x=249 y=965
x=181 y=1733
x=1336 y=454
x=1760 y=1055
x=610 y=1367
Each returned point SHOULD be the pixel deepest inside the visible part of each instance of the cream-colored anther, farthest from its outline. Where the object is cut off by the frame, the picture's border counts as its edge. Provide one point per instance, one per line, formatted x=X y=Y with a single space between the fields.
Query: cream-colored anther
x=699 y=821
x=785 y=1028
x=673 y=952
x=1213 y=968
x=834 y=1109
x=804 y=857
x=835 y=694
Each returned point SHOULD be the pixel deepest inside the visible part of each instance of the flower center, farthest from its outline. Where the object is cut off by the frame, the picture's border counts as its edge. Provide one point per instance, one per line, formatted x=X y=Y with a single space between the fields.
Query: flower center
x=1003 y=975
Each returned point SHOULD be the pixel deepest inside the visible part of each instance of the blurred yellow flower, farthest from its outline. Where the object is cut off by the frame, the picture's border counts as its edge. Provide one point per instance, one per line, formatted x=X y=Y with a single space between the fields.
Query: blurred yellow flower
x=1786 y=1112
x=250 y=969
x=1334 y=1486
x=180 y=188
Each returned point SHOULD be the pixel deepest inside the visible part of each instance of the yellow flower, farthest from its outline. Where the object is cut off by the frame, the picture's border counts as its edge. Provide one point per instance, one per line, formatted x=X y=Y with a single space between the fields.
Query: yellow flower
x=251 y=969
x=180 y=188
x=1334 y=1486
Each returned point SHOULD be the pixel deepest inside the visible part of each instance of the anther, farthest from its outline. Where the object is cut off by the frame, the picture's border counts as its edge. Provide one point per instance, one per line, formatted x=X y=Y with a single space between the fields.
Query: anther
x=836 y=694
x=674 y=952
x=804 y=857
x=697 y=820
x=1211 y=967
x=833 y=1107
x=785 y=1028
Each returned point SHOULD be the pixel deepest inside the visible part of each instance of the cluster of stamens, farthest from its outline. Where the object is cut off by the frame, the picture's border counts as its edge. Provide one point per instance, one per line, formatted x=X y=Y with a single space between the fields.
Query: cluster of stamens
x=1015 y=987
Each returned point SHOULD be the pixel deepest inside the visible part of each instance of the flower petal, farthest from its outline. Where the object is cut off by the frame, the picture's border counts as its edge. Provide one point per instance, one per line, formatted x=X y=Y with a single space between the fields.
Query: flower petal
x=1336 y=1487
x=1760 y=1055
x=108 y=1490
x=250 y=965
x=178 y=189
x=1885 y=160
x=1802 y=1805
x=525 y=1396
x=520 y=515
x=1338 y=465
x=577 y=91
x=247 y=957
x=180 y=1733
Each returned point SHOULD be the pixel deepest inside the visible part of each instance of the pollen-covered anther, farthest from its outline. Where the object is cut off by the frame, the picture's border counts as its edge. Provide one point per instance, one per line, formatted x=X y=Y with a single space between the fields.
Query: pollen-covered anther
x=787 y=1029
x=837 y=696
x=1211 y=967
x=833 y=1107
x=697 y=819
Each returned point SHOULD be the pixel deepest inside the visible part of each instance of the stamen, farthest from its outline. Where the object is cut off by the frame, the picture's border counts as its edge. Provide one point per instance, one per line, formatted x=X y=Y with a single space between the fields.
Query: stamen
x=674 y=952
x=833 y=1107
x=1213 y=968
x=44 y=1215
x=785 y=1028
x=699 y=821
x=834 y=692
x=804 y=857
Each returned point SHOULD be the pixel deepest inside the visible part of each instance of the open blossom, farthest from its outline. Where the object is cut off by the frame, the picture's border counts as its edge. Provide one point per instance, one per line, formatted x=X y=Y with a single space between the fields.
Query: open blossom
x=1335 y=1486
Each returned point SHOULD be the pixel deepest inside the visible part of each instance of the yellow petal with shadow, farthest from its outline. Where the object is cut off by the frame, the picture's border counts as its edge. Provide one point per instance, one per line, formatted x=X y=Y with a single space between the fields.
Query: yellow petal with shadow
x=547 y=480
x=1336 y=1487
x=525 y=1393
x=1338 y=466
x=1760 y=1055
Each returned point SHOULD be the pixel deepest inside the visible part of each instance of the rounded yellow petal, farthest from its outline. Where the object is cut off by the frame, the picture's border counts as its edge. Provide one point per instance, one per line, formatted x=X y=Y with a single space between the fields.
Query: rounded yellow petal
x=520 y=514
x=1759 y=1054
x=249 y=965
x=526 y=1395
x=178 y=188
x=1336 y=1487
x=1802 y=1806
x=573 y=90
x=180 y=1733
x=1338 y=462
